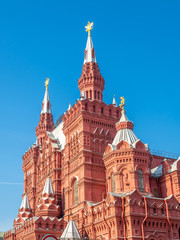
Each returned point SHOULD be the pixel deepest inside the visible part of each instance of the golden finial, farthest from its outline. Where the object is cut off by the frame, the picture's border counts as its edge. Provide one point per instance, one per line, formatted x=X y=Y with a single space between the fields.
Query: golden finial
x=122 y=103
x=89 y=27
x=47 y=83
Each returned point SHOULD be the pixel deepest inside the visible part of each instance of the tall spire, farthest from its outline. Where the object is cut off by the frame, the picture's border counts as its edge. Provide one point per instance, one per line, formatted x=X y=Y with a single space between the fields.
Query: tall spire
x=91 y=81
x=114 y=101
x=46 y=106
x=89 y=51
x=69 y=106
x=46 y=117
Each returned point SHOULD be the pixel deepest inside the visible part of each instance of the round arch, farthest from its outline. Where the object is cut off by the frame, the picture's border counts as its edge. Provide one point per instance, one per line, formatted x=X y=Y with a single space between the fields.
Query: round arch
x=49 y=237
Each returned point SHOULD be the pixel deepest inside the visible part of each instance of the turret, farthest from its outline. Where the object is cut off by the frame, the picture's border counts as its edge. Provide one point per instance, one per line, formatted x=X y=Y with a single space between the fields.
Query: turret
x=47 y=205
x=25 y=212
x=91 y=82
x=46 y=117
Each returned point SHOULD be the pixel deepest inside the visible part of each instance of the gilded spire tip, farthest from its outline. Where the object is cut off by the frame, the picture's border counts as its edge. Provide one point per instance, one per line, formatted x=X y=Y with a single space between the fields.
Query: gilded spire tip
x=47 y=83
x=89 y=27
x=122 y=103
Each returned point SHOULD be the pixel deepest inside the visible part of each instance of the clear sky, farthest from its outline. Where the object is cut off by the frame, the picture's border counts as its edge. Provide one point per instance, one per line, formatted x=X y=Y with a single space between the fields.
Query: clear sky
x=137 y=45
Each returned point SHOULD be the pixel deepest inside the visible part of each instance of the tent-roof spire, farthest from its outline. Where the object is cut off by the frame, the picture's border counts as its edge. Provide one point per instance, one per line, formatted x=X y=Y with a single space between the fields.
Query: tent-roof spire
x=46 y=117
x=46 y=106
x=114 y=101
x=48 y=187
x=25 y=203
x=89 y=51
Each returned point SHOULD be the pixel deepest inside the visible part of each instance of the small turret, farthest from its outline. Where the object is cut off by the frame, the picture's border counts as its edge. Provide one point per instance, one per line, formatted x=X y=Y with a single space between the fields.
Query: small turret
x=124 y=128
x=25 y=212
x=46 y=117
x=47 y=205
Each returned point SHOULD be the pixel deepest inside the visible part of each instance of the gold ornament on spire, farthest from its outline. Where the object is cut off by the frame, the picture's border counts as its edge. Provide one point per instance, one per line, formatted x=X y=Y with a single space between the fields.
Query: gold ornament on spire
x=122 y=103
x=89 y=27
x=47 y=83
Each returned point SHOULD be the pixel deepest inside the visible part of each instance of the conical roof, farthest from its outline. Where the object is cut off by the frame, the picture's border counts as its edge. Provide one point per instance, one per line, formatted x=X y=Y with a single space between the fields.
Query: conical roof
x=126 y=135
x=114 y=101
x=46 y=106
x=123 y=117
x=25 y=203
x=89 y=51
x=48 y=187
x=71 y=232
x=125 y=131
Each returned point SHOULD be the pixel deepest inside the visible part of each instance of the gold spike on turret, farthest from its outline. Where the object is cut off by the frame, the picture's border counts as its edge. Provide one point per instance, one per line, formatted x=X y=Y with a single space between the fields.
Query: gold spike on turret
x=47 y=83
x=89 y=27
x=122 y=103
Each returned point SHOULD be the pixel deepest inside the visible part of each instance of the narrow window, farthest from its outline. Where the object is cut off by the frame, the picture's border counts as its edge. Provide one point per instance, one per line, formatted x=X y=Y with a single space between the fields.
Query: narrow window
x=98 y=95
x=110 y=112
x=94 y=109
x=76 y=192
x=86 y=107
x=155 y=192
x=140 y=181
x=154 y=210
x=86 y=94
x=47 y=226
x=113 y=183
x=162 y=211
x=102 y=110
x=90 y=94
x=95 y=94
x=39 y=225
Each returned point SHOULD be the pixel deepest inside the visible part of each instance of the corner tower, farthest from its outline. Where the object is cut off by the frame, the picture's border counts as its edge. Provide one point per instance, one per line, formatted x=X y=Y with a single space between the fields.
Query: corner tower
x=91 y=82
x=46 y=117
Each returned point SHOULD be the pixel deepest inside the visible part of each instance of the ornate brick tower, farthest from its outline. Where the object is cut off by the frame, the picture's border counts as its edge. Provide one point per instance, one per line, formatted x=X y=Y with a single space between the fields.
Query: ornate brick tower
x=127 y=160
x=89 y=126
x=91 y=83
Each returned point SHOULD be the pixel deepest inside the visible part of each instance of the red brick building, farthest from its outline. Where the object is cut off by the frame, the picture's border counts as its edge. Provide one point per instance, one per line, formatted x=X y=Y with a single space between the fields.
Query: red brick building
x=92 y=168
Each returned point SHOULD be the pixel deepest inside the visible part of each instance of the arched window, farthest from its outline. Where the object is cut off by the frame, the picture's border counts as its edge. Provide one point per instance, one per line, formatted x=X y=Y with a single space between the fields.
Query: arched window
x=113 y=183
x=94 y=109
x=140 y=181
x=76 y=192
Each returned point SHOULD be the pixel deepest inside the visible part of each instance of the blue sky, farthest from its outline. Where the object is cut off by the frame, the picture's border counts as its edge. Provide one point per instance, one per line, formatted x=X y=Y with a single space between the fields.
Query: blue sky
x=137 y=45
